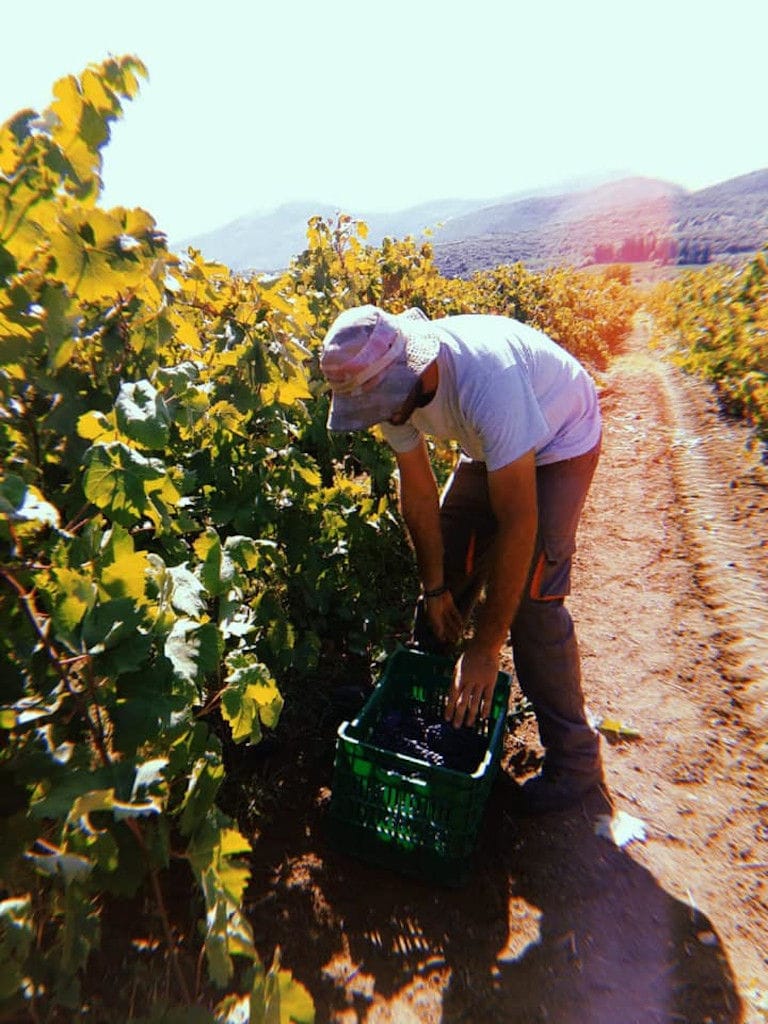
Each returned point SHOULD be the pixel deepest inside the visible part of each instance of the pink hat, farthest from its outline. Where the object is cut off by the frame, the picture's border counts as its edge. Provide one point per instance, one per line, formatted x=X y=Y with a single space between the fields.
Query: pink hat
x=372 y=360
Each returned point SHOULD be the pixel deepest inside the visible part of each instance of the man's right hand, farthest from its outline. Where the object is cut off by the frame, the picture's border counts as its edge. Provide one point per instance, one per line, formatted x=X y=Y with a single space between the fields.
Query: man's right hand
x=444 y=618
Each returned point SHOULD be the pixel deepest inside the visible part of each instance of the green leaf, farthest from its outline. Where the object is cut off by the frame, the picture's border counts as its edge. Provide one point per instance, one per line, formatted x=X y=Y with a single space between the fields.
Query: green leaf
x=228 y=934
x=220 y=966
x=105 y=800
x=59 y=327
x=250 y=699
x=19 y=831
x=17 y=933
x=276 y=998
x=213 y=854
x=78 y=937
x=74 y=595
x=247 y=552
x=23 y=503
x=131 y=653
x=178 y=378
x=126 y=574
x=7 y=263
x=205 y=778
x=193 y=649
x=116 y=479
x=110 y=623
x=142 y=414
x=81 y=266
x=296 y=1005
x=66 y=789
x=104 y=851
x=217 y=572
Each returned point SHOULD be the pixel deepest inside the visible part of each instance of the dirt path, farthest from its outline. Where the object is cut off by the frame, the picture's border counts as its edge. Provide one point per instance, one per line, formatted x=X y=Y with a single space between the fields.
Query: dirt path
x=558 y=924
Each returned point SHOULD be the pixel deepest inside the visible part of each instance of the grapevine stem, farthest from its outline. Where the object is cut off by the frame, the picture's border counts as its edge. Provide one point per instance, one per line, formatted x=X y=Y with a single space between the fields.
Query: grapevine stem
x=214 y=700
x=181 y=981
x=199 y=971
x=31 y=612
x=76 y=522
x=94 y=719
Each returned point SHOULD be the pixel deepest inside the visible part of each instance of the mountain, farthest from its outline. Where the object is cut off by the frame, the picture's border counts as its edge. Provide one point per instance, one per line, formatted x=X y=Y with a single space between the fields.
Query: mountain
x=267 y=241
x=626 y=219
x=631 y=220
x=258 y=241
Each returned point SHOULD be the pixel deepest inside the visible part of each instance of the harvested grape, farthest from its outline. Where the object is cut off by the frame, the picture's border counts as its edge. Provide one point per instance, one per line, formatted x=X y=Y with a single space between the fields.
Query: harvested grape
x=415 y=732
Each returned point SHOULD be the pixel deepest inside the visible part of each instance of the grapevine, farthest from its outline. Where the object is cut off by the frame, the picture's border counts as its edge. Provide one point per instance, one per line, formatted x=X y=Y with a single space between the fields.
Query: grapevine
x=717 y=322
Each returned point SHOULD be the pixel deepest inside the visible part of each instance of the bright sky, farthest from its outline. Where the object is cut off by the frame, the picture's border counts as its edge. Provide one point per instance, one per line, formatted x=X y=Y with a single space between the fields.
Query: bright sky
x=381 y=105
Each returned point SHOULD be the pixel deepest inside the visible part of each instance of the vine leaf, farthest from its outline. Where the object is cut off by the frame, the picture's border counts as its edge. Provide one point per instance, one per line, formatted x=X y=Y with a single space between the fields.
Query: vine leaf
x=116 y=479
x=142 y=414
x=74 y=595
x=188 y=596
x=71 y=867
x=17 y=934
x=193 y=648
x=105 y=800
x=23 y=503
x=250 y=699
x=109 y=623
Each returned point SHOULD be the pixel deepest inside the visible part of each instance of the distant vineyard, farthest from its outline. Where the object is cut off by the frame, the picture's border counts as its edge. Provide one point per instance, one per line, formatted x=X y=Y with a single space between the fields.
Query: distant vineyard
x=717 y=319
x=184 y=548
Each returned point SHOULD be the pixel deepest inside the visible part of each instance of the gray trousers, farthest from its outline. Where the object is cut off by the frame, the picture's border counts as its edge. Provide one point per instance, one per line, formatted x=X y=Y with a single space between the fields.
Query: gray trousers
x=542 y=635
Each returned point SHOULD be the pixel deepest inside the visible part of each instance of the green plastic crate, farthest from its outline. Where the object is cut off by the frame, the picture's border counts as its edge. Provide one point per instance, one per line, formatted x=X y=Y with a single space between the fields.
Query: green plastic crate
x=401 y=812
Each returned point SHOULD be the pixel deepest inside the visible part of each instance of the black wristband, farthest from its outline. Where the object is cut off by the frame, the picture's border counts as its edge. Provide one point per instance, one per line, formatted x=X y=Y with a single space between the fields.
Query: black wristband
x=437 y=592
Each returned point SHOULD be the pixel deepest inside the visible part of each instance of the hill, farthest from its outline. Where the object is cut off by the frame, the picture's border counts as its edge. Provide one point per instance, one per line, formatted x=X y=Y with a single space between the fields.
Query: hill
x=633 y=219
x=268 y=241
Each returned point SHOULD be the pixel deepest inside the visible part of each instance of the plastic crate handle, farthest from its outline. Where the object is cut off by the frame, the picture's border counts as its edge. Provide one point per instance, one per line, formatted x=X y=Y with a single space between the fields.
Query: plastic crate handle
x=417 y=780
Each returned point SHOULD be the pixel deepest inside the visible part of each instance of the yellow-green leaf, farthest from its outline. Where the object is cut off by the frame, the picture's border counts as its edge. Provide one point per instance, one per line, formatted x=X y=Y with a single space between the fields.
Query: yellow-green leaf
x=78 y=595
x=615 y=728
x=296 y=1005
x=126 y=576
x=310 y=476
x=95 y=426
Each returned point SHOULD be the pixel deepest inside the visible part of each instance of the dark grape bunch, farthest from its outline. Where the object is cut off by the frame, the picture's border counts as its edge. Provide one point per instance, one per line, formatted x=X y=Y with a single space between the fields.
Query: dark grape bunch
x=416 y=732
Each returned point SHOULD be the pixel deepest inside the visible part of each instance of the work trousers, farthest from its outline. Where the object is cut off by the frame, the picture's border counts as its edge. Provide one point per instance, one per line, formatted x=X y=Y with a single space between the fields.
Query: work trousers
x=542 y=635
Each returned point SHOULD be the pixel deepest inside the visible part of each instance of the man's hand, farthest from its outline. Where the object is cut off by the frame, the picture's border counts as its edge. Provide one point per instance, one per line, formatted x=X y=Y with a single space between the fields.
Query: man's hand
x=444 y=618
x=474 y=681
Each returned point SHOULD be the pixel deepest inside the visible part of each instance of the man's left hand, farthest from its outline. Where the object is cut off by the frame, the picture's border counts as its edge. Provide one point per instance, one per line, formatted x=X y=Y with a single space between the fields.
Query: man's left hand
x=471 y=692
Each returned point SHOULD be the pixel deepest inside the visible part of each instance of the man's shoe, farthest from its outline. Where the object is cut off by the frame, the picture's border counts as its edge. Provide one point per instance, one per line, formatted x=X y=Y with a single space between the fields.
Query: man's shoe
x=557 y=791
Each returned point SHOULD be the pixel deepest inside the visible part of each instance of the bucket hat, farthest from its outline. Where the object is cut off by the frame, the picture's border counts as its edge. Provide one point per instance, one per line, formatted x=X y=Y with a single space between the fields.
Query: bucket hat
x=372 y=360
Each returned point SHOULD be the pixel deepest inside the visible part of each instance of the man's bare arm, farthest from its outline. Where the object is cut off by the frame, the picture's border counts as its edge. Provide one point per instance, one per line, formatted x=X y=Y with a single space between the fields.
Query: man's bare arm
x=512 y=492
x=419 y=504
x=420 y=507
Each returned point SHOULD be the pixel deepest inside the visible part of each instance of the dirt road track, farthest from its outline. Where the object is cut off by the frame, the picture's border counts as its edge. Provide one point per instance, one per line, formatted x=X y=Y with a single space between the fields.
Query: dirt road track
x=721 y=490
x=676 y=541
x=558 y=924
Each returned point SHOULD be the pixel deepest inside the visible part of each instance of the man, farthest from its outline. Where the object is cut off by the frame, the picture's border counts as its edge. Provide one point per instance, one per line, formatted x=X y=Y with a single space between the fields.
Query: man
x=526 y=416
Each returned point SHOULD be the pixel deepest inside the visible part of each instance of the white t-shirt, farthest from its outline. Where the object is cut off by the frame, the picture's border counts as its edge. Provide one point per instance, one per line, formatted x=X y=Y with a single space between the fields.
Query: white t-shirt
x=504 y=388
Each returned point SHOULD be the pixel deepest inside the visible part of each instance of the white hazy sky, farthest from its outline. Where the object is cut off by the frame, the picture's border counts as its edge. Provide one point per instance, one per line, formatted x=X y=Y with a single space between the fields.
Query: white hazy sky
x=381 y=105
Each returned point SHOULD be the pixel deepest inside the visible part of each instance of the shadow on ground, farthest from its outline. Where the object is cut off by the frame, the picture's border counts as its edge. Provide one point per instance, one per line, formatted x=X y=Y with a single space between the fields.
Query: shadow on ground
x=555 y=924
